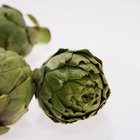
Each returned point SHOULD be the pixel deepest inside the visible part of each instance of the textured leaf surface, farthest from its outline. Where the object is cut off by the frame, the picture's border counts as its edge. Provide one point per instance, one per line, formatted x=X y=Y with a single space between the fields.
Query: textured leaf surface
x=73 y=87
x=4 y=100
x=16 y=88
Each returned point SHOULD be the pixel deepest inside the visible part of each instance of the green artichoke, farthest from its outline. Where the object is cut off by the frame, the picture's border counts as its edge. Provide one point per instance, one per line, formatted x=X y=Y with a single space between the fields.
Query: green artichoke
x=16 y=88
x=71 y=86
x=16 y=35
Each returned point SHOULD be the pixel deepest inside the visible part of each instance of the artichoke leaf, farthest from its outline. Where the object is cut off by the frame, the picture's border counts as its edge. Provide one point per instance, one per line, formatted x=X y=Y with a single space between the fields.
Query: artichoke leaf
x=57 y=104
x=12 y=77
x=89 y=67
x=34 y=20
x=18 y=38
x=54 y=63
x=13 y=15
x=50 y=111
x=3 y=129
x=75 y=73
x=52 y=80
x=13 y=112
x=77 y=59
x=86 y=80
x=4 y=100
x=23 y=91
x=65 y=98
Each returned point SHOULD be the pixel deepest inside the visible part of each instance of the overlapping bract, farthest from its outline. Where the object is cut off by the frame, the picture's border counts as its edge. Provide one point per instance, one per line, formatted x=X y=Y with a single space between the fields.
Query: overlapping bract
x=16 y=35
x=71 y=86
x=16 y=88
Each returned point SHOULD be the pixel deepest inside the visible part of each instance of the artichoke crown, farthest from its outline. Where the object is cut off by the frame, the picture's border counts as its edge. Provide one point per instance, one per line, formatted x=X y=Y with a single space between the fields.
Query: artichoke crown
x=71 y=86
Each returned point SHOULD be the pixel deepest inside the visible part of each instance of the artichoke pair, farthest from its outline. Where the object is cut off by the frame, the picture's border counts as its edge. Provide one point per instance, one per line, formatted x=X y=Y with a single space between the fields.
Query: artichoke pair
x=70 y=86
x=16 y=35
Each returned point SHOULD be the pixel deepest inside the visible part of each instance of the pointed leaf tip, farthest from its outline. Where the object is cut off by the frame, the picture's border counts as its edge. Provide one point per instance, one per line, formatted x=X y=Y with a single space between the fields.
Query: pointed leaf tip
x=33 y=19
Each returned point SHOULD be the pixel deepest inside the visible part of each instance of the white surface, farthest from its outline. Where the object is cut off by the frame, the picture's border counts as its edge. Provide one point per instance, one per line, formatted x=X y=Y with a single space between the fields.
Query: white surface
x=111 y=30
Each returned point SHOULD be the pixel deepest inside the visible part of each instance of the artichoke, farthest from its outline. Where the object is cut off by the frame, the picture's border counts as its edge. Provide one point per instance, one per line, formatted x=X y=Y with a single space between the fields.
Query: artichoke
x=71 y=86
x=16 y=88
x=16 y=35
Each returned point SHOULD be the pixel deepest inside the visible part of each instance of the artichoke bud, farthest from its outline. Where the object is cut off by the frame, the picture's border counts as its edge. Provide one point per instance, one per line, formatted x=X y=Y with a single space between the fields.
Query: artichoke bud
x=16 y=35
x=74 y=86
x=16 y=88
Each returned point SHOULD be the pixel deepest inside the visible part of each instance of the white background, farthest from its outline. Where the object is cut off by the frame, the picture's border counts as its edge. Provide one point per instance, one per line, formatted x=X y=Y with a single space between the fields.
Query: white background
x=110 y=29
